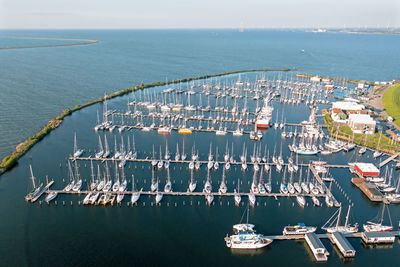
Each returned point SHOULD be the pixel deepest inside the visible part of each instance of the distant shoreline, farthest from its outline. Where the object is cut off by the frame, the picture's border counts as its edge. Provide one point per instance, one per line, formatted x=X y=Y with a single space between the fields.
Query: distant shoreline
x=81 y=42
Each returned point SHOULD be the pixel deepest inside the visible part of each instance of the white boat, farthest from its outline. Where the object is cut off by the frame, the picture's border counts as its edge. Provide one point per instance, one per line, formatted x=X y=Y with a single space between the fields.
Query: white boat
x=193 y=183
x=50 y=196
x=168 y=185
x=159 y=197
x=299 y=229
x=154 y=182
x=252 y=199
x=78 y=183
x=316 y=201
x=245 y=237
x=207 y=185
x=77 y=152
x=120 y=197
x=379 y=226
x=209 y=198
x=223 y=188
x=329 y=201
x=301 y=200
x=135 y=194
x=333 y=224
x=237 y=197
x=35 y=190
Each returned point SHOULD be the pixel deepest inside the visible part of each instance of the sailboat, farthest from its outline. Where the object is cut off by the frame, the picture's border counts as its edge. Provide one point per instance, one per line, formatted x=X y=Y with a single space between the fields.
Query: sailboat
x=261 y=188
x=160 y=162
x=78 y=183
x=94 y=182
x=115 y=187
x=223 y=188
x=35 y=191
x=107 y=149
x=101 y=182
x=283 y=188
x=154 y=182
x=268 y=186
x=193 y=183
x=238 y=198
x=100 y=153
x=177 y=155
x=333 y=224
x=301 y=200
x=108 y=186
x=71 y=177
x=207 y=185
x=379 y=226
x=159 y=195
x=77 y=152
x=168 y=185
x=135 y=194
x=153 y=159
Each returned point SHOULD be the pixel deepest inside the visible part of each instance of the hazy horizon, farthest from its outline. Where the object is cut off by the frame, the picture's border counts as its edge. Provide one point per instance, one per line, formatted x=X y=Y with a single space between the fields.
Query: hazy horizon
x=207 y=14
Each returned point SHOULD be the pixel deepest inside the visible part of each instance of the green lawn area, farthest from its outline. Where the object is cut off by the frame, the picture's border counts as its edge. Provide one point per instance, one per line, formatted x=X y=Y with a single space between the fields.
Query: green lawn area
x=345 y=133
x=391 y=102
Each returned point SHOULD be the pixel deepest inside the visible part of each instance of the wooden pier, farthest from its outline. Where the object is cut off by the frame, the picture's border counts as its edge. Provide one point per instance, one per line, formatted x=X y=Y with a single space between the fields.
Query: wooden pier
x=187 y=193
x=202 y=162
x=386 y=161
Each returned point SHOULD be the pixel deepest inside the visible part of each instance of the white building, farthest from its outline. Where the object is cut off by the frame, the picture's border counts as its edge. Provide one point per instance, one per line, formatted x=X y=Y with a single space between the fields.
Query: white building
x=362 y=123
x=344 y=106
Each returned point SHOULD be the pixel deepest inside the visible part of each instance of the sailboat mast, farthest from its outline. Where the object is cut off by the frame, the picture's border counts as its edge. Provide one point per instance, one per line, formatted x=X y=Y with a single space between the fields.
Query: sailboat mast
x=347 y=216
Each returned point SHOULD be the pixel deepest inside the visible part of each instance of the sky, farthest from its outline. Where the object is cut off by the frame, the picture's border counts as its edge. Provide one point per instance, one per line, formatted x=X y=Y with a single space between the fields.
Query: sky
x=159 y=14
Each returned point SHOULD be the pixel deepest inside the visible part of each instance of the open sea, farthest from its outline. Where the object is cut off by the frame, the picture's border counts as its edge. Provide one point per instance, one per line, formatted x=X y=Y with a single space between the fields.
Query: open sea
x=36 y=84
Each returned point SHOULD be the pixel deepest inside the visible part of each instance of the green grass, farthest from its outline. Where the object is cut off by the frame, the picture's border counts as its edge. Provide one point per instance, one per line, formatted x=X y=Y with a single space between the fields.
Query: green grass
x=345 y=133
x=391 y=103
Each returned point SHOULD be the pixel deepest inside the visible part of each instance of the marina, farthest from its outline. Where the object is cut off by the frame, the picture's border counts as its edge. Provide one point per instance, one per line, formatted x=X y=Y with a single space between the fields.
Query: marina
x=146 y=152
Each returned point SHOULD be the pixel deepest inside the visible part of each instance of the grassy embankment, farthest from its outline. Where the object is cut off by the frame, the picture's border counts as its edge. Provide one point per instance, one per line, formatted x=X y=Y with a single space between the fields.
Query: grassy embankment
x=391 y=103
x=371 y=141
x=334 y=79
x=9 y=161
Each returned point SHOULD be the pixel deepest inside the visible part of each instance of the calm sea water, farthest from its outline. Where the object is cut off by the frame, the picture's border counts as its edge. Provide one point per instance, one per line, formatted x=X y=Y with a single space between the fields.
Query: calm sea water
x=38 y=83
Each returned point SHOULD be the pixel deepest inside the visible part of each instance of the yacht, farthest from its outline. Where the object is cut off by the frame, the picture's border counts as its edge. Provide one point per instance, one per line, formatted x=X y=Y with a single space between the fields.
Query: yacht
x=193 y=183
x=50 y=196
x=252 y=199
x=223 y=188
x=301 y=200
x=379 y=226
x=135 y=194
x=299 y=229
x=333 y=224
x=36 y=190
x=207 y=185
x=245 y=237
x=209 y=198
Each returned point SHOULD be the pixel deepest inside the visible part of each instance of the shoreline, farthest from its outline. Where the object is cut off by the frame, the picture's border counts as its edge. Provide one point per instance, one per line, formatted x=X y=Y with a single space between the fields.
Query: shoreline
x=81 y=42
x=8 y=162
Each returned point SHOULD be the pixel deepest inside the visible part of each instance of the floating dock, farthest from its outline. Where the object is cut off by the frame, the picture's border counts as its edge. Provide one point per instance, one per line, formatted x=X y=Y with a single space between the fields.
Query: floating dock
x=343 y=244
x=386 y=161
x=379 y=237
x=316 y=246
x=368 y=189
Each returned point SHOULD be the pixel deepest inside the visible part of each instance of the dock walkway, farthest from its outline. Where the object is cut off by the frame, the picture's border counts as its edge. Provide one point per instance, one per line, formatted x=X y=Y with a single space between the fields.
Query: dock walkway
x=386 y=161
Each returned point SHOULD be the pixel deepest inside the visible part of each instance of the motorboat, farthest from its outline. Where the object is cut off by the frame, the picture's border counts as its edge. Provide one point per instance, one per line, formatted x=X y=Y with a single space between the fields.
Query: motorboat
x=245 y=237
x=299 y=229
